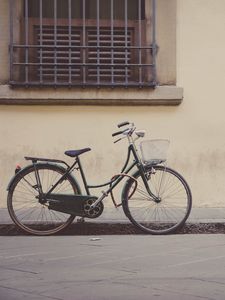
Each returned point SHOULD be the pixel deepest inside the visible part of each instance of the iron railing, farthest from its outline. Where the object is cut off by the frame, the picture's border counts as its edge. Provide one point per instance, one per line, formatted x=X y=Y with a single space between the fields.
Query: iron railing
x=54 y=47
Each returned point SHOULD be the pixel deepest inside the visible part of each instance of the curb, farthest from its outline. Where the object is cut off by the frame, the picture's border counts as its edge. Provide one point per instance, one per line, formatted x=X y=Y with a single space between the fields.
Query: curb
x=90 y=228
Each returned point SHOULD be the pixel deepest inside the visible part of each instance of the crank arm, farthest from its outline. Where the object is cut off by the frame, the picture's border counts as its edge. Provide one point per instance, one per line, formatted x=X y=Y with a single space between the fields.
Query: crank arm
x=104 y=195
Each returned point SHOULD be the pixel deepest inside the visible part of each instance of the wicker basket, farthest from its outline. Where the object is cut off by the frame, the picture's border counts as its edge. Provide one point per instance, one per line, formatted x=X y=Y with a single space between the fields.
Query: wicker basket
x=154 y=151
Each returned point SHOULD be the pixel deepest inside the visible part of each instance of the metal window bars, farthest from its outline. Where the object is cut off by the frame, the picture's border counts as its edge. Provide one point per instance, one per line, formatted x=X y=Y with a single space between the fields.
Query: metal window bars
x=81 y=46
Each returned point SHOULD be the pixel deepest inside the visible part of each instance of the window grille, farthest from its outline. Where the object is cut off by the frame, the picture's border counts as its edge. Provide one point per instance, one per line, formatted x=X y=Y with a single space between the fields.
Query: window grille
x=83 y=43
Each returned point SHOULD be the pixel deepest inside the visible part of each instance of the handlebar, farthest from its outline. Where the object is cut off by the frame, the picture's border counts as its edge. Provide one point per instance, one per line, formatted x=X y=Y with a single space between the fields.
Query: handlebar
x=123 y=124
x=127 y=132
x=118 y=132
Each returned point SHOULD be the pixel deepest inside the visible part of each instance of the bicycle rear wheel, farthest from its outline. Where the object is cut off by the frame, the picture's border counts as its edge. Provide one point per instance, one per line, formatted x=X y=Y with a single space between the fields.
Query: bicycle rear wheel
x=169 y=212
x=23 y=203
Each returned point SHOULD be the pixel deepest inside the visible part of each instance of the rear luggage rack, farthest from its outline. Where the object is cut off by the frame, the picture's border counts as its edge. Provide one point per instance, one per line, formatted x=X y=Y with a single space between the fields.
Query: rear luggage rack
x=35 y=159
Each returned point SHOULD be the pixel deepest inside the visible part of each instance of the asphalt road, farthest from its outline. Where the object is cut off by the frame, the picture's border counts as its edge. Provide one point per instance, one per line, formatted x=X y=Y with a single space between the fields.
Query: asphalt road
x=112 y=267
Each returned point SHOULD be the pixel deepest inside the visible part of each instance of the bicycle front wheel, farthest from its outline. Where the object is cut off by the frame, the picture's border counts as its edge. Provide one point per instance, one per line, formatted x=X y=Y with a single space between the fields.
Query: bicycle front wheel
x=168 y=211
x=24 y=207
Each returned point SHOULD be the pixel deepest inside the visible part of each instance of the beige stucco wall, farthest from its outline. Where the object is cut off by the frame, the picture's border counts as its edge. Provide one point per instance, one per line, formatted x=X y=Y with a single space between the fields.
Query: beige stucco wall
x=201 y=71
x=196 y=128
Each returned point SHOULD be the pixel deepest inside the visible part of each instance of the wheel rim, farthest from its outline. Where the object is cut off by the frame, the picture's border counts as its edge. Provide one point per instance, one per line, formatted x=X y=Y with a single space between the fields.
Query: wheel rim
x=162 y=216
x=24 y=206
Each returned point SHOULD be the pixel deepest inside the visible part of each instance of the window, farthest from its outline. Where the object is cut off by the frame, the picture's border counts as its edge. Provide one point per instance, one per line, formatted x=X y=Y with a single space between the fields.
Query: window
x=83 y=43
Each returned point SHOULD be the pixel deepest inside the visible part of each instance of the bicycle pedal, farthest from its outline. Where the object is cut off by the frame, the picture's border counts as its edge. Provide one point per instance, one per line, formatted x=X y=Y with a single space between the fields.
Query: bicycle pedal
x=80 y=220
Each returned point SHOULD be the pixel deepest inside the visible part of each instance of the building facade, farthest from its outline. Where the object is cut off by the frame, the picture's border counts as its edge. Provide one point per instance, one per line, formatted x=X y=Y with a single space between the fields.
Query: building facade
x=73 y=69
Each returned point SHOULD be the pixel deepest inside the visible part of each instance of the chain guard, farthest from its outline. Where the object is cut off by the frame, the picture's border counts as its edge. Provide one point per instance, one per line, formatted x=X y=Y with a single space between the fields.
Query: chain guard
x=92 y=213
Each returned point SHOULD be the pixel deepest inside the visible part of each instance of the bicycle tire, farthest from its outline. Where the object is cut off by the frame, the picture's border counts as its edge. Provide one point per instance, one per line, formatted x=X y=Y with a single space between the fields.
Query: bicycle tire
x=166 y=216
x=24 y=208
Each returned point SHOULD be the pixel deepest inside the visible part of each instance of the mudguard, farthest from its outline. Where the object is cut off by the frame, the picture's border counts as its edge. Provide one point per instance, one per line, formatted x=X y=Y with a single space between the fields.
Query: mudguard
x=18 y=174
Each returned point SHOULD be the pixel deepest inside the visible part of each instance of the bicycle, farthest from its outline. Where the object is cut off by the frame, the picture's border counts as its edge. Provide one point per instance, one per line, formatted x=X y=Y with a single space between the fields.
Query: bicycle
x=44 y=197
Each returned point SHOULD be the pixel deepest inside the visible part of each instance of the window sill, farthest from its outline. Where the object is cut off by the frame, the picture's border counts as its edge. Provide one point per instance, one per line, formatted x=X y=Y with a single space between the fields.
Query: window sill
x=161 y=95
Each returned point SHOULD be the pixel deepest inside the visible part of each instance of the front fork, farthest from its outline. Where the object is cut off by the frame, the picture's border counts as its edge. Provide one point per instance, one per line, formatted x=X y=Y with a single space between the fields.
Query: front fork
x=145 y=181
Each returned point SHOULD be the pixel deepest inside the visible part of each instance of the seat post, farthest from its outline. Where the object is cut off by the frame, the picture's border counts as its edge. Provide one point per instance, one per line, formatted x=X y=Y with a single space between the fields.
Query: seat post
x=82 y=175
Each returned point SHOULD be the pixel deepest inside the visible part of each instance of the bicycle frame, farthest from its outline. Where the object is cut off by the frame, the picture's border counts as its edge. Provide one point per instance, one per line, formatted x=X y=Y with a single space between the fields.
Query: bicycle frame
x=112 y=183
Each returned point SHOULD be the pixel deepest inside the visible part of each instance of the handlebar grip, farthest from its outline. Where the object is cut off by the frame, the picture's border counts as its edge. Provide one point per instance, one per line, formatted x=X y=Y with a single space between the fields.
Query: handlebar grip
x=123 y=124
x=118 y=132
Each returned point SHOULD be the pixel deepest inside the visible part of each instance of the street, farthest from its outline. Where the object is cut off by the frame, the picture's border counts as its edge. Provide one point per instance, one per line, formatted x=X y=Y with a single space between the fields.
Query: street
x=112 y=267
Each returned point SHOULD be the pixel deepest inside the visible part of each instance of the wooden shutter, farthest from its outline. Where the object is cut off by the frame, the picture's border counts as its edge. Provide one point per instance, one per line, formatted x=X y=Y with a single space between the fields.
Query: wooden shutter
x=55 y=60
x=113 y=61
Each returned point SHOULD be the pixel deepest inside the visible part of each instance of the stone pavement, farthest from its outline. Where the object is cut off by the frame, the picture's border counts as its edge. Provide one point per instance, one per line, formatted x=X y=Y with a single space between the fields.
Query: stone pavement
x=145 y=267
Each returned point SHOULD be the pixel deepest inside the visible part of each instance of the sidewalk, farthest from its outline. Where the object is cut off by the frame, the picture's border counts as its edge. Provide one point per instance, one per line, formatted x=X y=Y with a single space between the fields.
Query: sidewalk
x=114 y=222
x=113 y=215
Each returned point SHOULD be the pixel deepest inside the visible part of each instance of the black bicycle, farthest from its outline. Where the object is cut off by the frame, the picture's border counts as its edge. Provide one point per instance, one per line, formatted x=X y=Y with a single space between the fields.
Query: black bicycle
x=44 y=197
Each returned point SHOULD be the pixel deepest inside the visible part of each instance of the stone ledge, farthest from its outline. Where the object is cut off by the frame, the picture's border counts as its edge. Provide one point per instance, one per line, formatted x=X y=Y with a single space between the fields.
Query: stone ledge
x=161 y=95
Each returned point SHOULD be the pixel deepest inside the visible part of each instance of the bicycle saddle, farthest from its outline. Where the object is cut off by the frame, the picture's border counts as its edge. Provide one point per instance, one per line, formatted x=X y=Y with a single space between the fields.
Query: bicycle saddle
x=74 y=153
